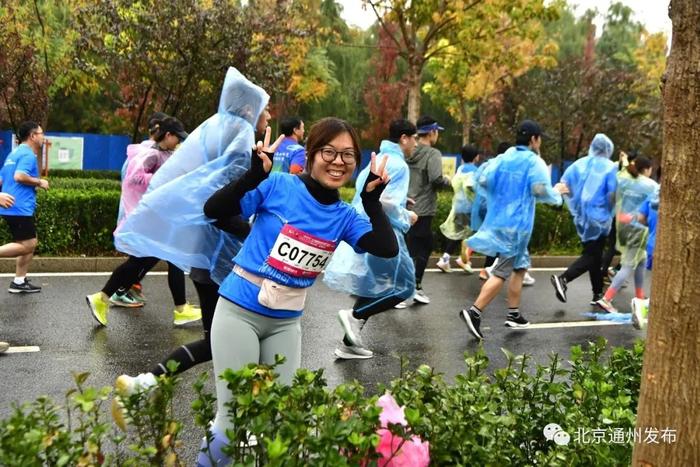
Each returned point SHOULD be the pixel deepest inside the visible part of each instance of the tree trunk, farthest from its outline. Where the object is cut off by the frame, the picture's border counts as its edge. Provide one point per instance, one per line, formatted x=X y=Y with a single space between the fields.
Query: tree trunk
x=670 y=392
x=413 y=81
x=136 y=135
x=466 y=122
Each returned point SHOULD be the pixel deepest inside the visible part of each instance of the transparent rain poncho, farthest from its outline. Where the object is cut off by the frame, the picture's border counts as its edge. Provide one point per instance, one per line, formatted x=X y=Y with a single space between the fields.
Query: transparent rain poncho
x=457 y=226
x=632 y=237
x=479 y=202
x=131 y=151
x=513 y=182
x=169 y=222
x=366 y=275
x=592 y=183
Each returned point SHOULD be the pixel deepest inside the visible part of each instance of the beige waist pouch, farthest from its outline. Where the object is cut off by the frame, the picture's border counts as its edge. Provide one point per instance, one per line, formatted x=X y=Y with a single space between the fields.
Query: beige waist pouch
x=280 y=297
x=273 y=295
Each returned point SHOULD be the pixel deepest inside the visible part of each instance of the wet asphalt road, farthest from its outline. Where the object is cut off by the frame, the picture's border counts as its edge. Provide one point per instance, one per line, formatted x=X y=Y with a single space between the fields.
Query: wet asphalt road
x=58 y=321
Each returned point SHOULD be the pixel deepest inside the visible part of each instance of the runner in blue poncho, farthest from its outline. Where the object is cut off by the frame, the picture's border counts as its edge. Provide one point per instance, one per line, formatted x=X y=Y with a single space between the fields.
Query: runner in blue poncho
x=170 y=222
x=514 y=181
x=457 y=226
x=633 y=188
x=592 y=181
x=378 y=283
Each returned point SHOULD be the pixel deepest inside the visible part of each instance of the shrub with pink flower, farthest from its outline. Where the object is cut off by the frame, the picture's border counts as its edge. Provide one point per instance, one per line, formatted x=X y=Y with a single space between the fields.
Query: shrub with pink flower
x=394 y=449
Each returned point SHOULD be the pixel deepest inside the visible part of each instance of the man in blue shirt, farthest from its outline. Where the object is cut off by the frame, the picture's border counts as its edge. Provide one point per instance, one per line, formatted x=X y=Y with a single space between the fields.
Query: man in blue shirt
x=19 y=178
x=290 y=156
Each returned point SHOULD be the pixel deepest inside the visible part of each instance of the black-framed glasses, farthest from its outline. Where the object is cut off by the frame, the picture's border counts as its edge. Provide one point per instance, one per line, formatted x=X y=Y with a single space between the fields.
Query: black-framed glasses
x=329 y=154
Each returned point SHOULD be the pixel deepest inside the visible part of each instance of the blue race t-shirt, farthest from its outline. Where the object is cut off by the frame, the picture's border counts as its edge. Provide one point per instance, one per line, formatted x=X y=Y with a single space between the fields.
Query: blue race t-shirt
x=22 y=159
x=284 y=208
x=652 y=218
x=467 y=167
x=288 y=153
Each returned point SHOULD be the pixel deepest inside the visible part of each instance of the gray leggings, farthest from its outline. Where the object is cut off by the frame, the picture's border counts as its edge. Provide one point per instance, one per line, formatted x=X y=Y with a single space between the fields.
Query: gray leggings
x=624 y=273
x=239 y=337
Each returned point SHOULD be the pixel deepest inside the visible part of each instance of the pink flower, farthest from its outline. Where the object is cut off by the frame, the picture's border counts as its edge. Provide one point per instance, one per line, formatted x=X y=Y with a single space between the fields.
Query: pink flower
x=397 y=452
x=391 y=411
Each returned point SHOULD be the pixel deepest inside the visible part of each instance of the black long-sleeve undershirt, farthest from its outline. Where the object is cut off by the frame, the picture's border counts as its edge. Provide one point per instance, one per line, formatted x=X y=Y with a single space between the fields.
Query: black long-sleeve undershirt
x=380 y=241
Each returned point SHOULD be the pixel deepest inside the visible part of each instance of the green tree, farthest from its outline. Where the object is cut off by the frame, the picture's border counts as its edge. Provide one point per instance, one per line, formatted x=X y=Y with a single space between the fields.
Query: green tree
x=484 y=58
x=173 y=58
x=595 y=89
x=431 y=29
x=349 y=51
x=37 y=58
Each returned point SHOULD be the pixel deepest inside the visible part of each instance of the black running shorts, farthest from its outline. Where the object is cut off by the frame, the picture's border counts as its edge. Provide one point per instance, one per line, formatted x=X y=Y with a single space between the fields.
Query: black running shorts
x=21 y=227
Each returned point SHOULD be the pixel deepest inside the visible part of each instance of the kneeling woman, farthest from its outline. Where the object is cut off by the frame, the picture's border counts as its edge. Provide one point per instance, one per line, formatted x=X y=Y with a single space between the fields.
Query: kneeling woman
x=299 y=222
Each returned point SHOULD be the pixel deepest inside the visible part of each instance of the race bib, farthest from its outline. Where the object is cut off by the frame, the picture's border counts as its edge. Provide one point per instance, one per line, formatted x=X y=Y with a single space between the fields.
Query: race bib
x=300 y=254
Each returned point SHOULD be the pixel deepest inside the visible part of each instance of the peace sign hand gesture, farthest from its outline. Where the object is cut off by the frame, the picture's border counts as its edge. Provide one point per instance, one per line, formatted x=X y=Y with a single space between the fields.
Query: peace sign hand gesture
x=377 y=179
x=378 y=175
x=265 y=152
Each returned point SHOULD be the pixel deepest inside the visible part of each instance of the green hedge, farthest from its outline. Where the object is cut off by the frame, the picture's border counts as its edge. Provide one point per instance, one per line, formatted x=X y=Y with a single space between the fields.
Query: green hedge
x=71 y=173
x=73 y=222
x=77 y=217
x=84 y=184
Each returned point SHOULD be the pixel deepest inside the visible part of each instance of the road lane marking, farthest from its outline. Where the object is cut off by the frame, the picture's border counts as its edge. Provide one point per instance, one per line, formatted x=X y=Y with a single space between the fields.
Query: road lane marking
x=78 y=274
x=23 y=349
x=570 y=324
x=476 y=270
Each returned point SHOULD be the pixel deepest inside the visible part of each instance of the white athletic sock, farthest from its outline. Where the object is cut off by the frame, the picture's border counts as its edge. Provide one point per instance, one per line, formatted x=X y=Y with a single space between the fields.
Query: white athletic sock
x=19 y=280
x=445 y=257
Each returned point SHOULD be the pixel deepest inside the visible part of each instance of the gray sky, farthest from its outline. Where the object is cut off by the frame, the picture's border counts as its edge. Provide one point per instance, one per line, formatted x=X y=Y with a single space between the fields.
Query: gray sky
x=652 y=13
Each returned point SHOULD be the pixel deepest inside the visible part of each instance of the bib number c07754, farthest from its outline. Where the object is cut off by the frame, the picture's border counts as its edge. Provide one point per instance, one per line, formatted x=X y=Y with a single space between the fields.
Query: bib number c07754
x=300 y=254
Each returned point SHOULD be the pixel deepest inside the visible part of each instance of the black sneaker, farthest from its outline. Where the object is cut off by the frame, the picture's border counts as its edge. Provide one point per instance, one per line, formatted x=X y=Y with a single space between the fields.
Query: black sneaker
x=473 y=322
x=517 y=321
x=25 y=287
x=596 y=298
x=559 y=285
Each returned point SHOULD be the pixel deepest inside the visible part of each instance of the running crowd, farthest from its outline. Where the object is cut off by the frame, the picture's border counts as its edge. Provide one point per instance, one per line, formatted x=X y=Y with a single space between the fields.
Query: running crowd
x=254 y=229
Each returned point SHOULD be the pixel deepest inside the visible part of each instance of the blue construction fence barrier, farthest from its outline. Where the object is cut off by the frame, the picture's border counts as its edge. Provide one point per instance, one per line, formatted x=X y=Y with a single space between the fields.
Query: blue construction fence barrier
x=99 y=152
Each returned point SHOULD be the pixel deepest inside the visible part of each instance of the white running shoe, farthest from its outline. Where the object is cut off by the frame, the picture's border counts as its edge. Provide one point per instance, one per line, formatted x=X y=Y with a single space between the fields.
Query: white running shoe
x=467 y=267
x=126 y=386
x=528 y=279
x=352 y=352
x=444 y=264
x=421 y=297
x=640 y=312
x=401 y=306
x=351 y=326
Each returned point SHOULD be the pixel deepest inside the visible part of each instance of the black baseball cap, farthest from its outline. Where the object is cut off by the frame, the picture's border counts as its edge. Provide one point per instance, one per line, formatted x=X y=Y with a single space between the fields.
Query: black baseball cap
x=530 y=128
x=174 y=126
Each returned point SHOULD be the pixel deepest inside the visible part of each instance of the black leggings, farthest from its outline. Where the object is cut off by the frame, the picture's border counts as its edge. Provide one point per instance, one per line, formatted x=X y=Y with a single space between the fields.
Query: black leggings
x=453 y=246
x=610 y=250
x=366 y=307
x=419 y=240
x=134 y=269
x=196 y=352
x=590 y=260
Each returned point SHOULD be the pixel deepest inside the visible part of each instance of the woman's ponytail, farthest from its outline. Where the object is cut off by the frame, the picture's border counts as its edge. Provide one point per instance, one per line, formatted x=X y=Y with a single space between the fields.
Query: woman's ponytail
x=639 y=164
